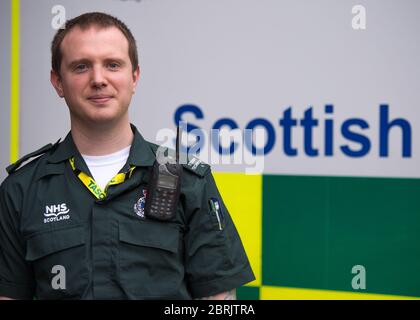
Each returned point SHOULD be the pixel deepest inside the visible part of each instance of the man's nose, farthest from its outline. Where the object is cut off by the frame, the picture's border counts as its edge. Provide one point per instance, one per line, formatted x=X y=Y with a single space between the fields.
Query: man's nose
x=98 y=78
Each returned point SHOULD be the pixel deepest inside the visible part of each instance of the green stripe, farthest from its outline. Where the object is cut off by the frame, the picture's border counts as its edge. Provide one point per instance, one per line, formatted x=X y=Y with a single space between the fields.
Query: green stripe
x=14 y=82
x=315 y=229
x=248 y=293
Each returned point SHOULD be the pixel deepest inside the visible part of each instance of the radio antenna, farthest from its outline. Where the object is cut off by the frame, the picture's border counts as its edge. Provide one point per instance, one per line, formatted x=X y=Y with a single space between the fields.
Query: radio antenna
x=177 y=143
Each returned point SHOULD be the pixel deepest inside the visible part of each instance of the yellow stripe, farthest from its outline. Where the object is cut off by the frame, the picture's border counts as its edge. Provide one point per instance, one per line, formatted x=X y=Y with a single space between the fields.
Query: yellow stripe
x=282 y=293
x=14 y=82
x=242 y=195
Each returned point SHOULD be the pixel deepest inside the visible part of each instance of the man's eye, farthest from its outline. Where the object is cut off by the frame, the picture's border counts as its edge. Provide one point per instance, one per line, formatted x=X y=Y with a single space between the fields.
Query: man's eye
x=113 y=65
x=80 y=67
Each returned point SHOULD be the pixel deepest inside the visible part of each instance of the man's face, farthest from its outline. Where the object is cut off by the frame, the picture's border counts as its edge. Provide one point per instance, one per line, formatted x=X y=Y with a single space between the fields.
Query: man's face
x=96 y=76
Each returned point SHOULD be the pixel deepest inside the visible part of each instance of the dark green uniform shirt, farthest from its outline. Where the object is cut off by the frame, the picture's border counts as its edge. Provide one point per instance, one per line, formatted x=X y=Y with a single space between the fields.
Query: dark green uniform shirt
x=107 y=248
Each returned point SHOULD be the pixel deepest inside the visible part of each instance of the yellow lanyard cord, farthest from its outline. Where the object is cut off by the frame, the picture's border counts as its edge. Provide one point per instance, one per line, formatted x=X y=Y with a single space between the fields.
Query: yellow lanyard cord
x=91 y=184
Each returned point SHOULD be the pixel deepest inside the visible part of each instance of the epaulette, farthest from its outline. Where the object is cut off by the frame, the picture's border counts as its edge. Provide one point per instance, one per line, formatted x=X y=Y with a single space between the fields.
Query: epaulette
x=192 y=163
x=14 y=166
x=197 y=166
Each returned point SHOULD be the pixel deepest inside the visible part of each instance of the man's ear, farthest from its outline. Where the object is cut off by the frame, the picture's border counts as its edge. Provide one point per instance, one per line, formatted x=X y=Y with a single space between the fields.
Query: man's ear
x=136 y=77
x=56 y=82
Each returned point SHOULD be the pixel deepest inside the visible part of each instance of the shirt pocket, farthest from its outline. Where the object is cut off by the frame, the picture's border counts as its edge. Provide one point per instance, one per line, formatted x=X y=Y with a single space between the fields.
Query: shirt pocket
x=59 y=260
x=150 y=264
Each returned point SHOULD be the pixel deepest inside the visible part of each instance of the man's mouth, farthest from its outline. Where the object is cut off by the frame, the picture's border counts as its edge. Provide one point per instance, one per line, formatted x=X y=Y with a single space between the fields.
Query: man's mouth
x=100 y=99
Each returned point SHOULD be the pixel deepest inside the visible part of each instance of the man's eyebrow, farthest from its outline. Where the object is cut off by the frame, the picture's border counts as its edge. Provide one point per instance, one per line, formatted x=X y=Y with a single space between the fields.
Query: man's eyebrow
x=119 y=60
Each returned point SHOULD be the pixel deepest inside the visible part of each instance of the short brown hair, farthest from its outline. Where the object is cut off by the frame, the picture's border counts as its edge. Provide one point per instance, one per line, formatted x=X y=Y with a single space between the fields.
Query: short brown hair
x=85 y=21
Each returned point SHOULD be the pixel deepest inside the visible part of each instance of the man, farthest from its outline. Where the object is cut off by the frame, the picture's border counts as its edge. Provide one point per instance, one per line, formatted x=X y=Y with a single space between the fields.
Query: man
x=72 y=221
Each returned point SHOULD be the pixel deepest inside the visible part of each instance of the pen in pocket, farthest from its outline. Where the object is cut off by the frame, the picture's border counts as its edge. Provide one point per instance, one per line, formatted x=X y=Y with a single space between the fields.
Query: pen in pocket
x=216 y=208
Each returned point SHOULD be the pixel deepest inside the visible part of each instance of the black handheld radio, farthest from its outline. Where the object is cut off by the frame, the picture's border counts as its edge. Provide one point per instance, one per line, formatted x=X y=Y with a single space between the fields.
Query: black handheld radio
x=164 y=187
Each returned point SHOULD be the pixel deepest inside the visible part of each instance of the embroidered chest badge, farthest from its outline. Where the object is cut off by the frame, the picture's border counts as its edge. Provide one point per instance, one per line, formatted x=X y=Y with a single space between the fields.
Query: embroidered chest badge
x=140 y=204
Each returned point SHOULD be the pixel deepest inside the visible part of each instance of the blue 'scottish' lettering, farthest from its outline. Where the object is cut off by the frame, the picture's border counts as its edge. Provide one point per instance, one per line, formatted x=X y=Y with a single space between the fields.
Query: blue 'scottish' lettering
x=354 y=130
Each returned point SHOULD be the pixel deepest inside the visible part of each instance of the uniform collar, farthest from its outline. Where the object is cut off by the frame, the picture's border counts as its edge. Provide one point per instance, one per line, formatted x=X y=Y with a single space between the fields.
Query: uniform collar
x=141 y=152
x=64 y=151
